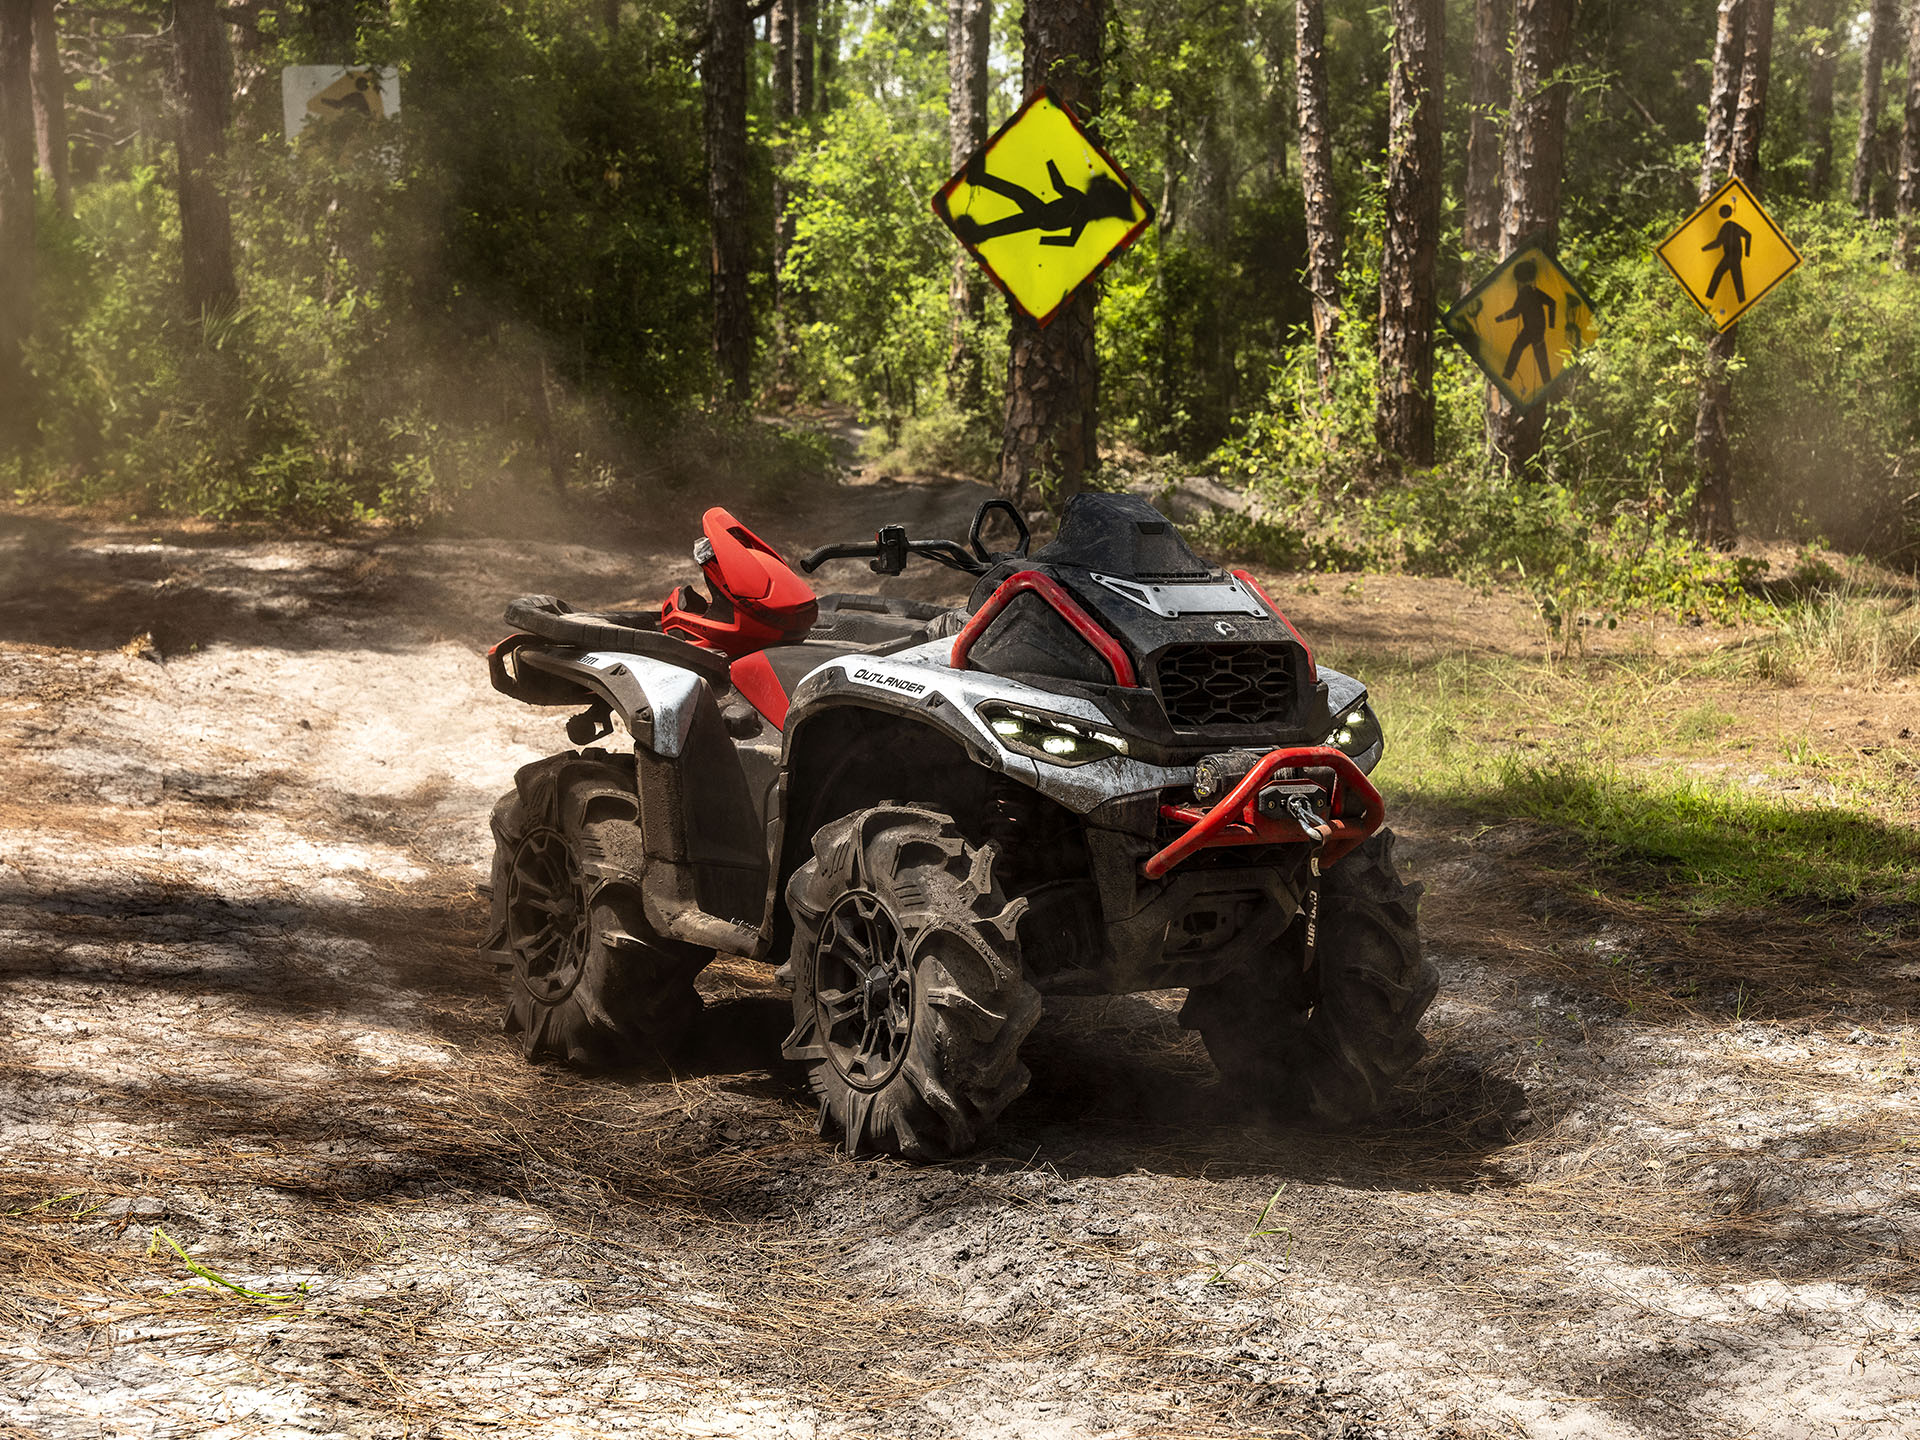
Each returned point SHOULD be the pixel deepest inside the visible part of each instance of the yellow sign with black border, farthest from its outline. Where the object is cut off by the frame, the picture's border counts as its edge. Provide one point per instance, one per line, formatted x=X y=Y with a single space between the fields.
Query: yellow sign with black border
x=1042 y=206
x=1728 y=254
x=1524 y=324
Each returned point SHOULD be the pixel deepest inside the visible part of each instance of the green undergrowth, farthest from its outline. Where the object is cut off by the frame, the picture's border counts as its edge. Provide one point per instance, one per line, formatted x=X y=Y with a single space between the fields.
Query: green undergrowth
x=1653 y=776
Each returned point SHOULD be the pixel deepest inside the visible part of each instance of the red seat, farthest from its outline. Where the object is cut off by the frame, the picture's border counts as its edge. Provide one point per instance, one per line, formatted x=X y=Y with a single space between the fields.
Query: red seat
x=757 y=599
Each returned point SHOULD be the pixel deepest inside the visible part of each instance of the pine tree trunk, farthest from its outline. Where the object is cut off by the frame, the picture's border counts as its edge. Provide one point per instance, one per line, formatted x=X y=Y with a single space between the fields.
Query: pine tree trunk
x=1822 y=61
x=1535 y=158
x=1053 y=381
x=1488 y=88
x=610 y=16
x=1907 y=201
x=969 y=24
x=826 y=60
x=806 y=25
x=1316 y=184
x=723 y=78
x=783 y=29
x=1416 y=88
x=50 y=104
x=1723 y=98
x=1866 y=156
x=16 y=221
x=1712 y=447
x=204 y=75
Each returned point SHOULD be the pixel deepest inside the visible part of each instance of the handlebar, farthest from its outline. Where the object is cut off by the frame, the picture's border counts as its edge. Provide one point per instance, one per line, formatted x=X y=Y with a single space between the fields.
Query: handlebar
x=889 y=550
x=890 y=547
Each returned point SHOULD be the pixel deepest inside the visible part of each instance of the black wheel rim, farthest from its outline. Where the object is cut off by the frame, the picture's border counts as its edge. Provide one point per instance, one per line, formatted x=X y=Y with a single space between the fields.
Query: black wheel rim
x=549 y=923
x=863 y=990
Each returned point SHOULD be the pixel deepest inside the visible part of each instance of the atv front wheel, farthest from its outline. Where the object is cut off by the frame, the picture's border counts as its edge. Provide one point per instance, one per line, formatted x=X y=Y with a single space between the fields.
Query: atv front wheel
x=591 y=984
x=1328 y=1040
x=909 y=1003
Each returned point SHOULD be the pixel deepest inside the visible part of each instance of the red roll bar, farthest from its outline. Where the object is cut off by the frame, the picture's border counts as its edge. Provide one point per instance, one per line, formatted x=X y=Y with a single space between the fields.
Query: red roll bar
x=1068 y=609
x=1237 y=820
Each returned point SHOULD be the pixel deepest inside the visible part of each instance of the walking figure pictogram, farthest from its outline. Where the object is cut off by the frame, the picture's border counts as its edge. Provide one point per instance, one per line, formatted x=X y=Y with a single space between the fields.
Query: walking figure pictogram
x=1735 y=243
x=1104 y=199
x=1535 y=310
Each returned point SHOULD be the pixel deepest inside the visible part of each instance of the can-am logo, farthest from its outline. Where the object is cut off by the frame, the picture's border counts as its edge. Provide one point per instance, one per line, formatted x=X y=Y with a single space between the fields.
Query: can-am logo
x=882 y=681
x=1223 y=627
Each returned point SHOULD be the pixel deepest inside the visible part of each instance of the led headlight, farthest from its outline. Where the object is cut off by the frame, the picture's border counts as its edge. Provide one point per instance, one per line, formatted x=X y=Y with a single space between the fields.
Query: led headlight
x=1357 y=733
x=1052 y=738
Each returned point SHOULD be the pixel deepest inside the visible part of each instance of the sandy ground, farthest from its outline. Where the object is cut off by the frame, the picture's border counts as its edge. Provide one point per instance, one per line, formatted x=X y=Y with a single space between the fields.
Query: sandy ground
x=241 y=1013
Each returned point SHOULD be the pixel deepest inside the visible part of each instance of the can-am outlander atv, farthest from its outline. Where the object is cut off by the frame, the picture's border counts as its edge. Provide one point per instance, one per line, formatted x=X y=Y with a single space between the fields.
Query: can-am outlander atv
x=1117 y=769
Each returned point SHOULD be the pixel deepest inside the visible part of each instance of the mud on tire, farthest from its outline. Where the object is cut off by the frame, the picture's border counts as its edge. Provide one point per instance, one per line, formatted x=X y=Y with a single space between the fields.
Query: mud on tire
x=589 y=982
x=908 y=999
x=1329 y=1044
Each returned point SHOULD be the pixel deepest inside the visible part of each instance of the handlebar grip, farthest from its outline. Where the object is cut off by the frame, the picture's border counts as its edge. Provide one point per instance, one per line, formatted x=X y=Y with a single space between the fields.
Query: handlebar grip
x=836 y=552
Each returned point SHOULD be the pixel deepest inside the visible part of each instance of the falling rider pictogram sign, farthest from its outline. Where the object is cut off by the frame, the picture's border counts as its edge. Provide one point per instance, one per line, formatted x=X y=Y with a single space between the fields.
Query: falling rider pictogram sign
x=1523 y=324
x=1042 y=206
x=1728 y=253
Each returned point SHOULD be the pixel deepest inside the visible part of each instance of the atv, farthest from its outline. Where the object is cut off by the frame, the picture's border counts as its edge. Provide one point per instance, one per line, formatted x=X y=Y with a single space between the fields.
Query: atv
x=1117 y=769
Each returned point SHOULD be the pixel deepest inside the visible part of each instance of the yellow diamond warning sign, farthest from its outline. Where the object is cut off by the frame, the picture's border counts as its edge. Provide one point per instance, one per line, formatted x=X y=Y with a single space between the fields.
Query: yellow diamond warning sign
x=1523 y=324
x=1728 y=253
x=1042 y=207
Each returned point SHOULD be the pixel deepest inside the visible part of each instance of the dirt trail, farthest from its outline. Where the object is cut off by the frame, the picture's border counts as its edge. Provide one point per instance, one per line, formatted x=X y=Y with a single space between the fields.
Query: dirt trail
x=240 y=1006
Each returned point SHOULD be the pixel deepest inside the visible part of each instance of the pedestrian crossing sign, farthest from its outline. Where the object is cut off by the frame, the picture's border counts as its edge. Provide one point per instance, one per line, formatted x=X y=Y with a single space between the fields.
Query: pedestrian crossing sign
x=1042 y=206
x=1524 y=324
x=1728 y=253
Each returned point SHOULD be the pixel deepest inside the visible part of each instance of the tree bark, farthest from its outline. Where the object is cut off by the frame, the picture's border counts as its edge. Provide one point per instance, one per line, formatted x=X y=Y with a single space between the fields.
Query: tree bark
x=1535 y=159
x=1712 y=446
x=1487 y=91
x=969 y=25
x=1866 y=155
x=782 y=28
x=1416 y=89
x=826 y=58
x=1723 y=98
x=1907 y=200
x=50 y=105
x=16 y=222
x=723 y=78
x=1053 y=381
x=1316 y=184
x=806 y=25
x=610 y=15
x=1822 y=61
x=204 y=76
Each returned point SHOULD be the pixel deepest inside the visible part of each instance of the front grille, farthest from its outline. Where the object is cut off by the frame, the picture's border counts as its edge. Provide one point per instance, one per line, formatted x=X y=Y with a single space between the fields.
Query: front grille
x=1226 y=684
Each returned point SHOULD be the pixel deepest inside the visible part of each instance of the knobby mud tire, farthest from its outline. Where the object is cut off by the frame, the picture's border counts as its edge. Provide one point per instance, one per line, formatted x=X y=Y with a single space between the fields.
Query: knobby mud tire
x=970 y=1004
x=632 y=1000
x=1330 y=1044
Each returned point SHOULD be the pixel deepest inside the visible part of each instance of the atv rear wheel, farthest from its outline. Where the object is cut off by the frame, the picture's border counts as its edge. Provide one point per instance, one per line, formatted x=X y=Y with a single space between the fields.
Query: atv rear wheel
x=909 y=1004
x=1330 y=1042
x=590 y=983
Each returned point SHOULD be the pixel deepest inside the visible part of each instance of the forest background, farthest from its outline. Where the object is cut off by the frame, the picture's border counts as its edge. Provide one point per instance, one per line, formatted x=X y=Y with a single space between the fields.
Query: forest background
x=583 y=259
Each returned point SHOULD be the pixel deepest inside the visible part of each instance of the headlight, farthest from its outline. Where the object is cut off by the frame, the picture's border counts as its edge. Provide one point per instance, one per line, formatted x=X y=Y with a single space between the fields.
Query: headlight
x=1051 y=738
x=1357 y=733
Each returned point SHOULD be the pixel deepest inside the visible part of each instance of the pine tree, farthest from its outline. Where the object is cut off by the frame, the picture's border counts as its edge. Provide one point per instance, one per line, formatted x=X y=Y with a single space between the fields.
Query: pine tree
x=1863 y=192
x=1487 y=91
x=969 y=26
x=16 y=220
x=50 y=104
x=203 y=76
x=1535 y=161
x=723 y=81
x=1713 y=501
x=1416 y=88
x=1053 y=378
x=1316 y=184
x=1907 y=200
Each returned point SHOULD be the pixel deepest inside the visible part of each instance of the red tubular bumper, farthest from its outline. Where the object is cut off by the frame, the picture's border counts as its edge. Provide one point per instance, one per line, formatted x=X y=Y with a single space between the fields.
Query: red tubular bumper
x=1237 y=820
